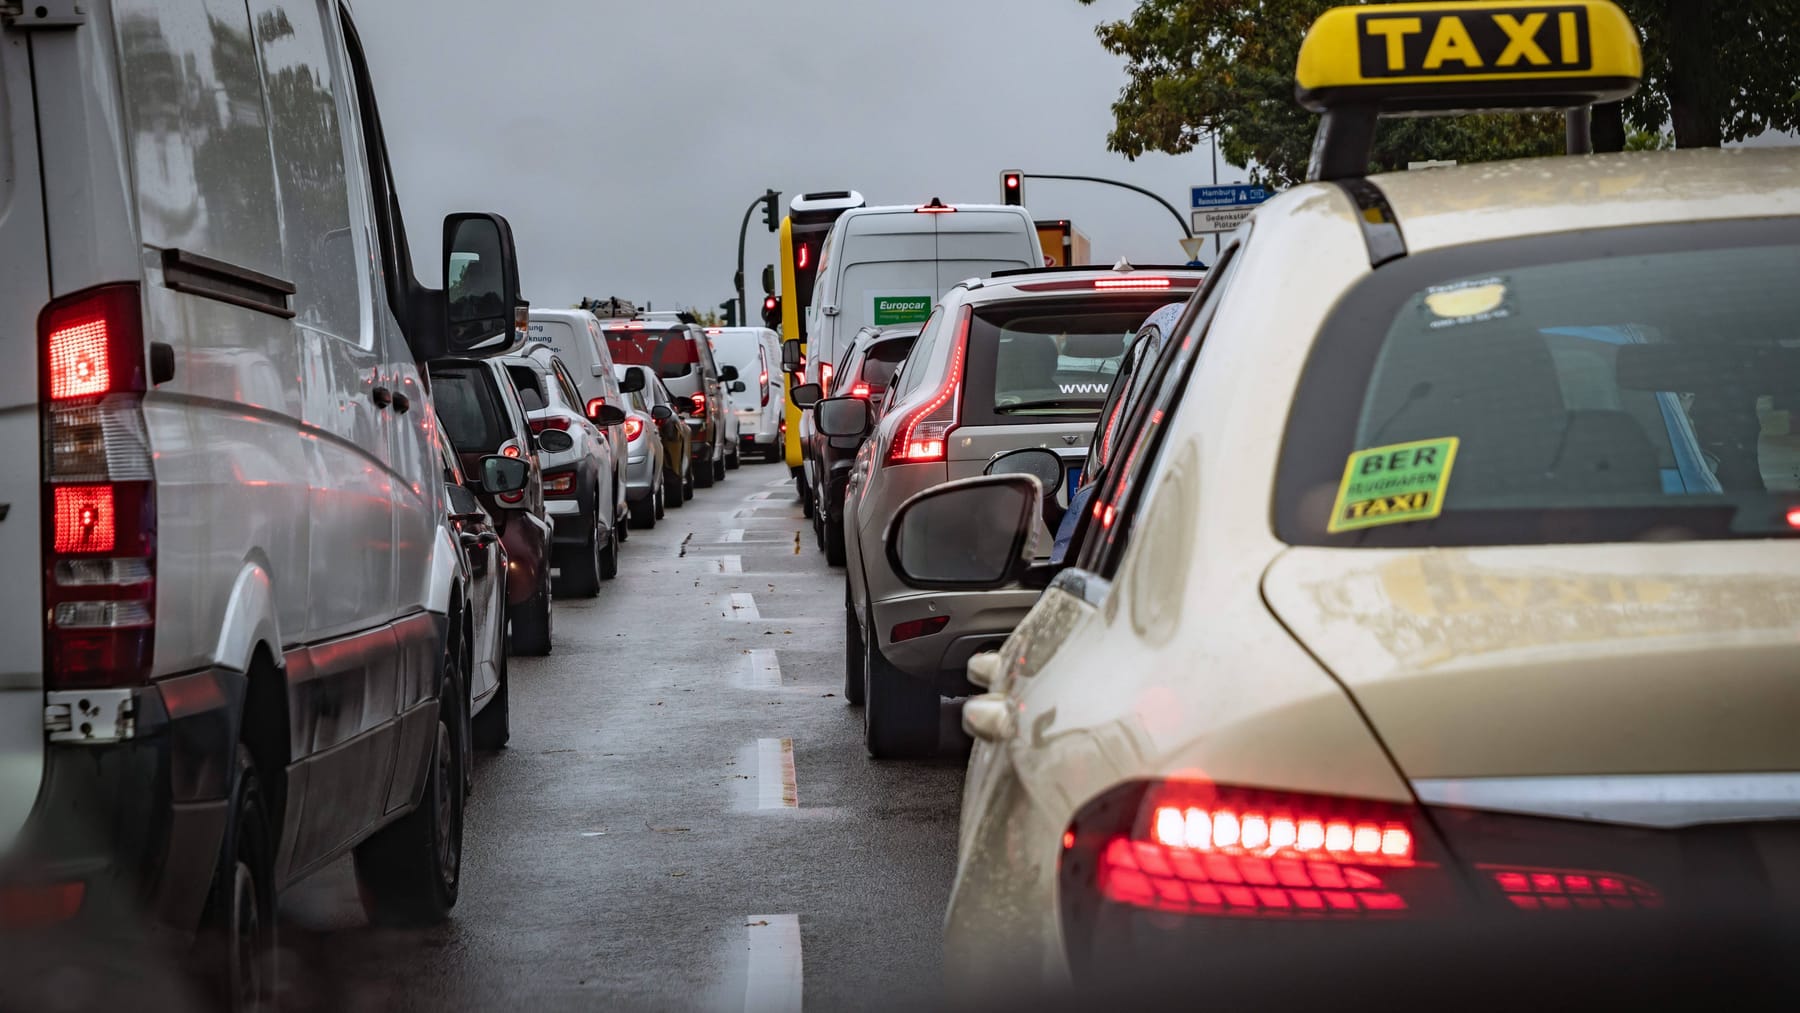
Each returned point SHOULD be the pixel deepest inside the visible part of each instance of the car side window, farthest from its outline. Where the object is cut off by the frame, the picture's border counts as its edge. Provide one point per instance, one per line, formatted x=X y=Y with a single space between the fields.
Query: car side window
x=1103 y=535
x=913 y=368
x=320 y=227
x=571 y=395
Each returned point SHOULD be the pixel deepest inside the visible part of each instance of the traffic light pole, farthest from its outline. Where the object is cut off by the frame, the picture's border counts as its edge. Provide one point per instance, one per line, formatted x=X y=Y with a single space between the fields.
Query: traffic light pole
x=1186 y=230
x=769 y=197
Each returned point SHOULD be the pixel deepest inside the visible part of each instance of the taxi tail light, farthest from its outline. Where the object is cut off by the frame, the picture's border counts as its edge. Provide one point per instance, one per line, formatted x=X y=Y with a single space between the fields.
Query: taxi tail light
x=559 y=484
x=1207 y=850
x=924 y=434
x=634 y=427
x=98 y=499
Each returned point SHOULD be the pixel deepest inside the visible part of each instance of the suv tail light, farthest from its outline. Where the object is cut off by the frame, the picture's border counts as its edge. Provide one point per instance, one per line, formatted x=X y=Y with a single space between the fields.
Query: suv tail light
x=559 y=484
x=634 y=427
x=99 y=501
x=551 y=422
x=924 y=434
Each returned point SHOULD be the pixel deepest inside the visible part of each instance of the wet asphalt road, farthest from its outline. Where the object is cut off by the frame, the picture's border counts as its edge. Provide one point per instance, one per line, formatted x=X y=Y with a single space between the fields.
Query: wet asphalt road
x=635 y=846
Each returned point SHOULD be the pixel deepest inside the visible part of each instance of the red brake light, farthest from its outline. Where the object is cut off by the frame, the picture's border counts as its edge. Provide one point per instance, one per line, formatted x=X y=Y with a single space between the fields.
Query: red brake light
x=916 y=628
x=860 y=389
x=802 y=258
x=699 y=401
x=594 y=405
x=825 y=376
x=1793 y=517
x=1530 y=889
x=925 y=432
x=634 y=427
x=86 y=519
x=550 y=422
x=511 y=450
x=1131 y=284
x=78 y=360
x=559 y=484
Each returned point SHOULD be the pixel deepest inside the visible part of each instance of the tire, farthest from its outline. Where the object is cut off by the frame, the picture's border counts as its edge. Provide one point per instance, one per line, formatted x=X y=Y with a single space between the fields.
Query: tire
x=492 y=728
x=239 y=944
x=806 y=500
x=718 y=469
x=662 y=502
x=687 y=484
x=834 y=543
x=581 y=567
x=680 y=498
x=609 y=556
x=732 y=460
x=409 y=873
x=900 y=713
x=622 y=521
x=853 y=658
x=532 y=625
x=703 y=478
x=644 y=512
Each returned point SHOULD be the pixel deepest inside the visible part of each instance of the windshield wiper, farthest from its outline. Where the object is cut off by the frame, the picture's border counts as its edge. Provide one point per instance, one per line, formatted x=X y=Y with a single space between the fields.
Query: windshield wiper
x=1059 y=402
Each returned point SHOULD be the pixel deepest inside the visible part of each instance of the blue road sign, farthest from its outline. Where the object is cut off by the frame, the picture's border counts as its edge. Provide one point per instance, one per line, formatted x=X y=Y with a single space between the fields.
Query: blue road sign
x=1233 y=195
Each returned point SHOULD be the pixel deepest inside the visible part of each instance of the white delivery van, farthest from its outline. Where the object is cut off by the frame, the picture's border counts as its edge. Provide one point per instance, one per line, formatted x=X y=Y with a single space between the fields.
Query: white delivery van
x=756 y=393
x=236 y=643
x=888 y=266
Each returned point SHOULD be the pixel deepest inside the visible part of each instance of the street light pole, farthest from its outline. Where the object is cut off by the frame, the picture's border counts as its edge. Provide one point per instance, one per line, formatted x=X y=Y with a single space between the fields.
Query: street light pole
x=1186 y=231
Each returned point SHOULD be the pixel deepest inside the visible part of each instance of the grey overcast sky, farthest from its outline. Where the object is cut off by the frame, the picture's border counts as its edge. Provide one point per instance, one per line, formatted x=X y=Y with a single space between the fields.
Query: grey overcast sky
x=624 y=139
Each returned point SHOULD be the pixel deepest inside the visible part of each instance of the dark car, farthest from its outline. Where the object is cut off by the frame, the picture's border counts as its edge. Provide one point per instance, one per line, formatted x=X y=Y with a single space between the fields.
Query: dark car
x=680 y=355
x=482 y=415
x=869 y=366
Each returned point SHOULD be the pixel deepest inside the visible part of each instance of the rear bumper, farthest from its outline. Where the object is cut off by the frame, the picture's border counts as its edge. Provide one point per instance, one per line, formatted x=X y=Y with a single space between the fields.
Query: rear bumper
x=979 y=621
x=640 y=475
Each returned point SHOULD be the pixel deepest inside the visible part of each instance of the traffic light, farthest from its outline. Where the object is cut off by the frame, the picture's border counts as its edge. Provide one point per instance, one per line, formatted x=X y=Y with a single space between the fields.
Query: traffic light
x=730 y=308
x=772 y=312
x=772 y=209
x=1012 y=187
x=768 y=279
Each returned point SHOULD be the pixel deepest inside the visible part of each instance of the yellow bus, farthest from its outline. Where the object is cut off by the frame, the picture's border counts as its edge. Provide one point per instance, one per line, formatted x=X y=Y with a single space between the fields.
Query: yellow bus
x=809 y=219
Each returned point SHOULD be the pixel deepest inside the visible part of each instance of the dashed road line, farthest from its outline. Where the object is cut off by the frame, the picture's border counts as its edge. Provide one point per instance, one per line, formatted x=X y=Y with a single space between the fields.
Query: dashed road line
x=765 y=670
x=730 y=564
x=743 y=606
x=775 y=787
x=733 y=535
x=774 y=977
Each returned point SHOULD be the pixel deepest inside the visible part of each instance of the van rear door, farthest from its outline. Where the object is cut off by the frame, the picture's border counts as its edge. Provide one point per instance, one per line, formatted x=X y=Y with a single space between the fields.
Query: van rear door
x=24 y=289
x=975 y=244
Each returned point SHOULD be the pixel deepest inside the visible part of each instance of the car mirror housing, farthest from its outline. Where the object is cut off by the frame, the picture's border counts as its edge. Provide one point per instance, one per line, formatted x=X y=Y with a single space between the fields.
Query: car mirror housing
x=609 y=415
x=502 y=474
x=843 y=416
x=632 y=383
x=806 y=395
x=662 y=413
x=685 y=405
x=481 y=285
x=975 y=534
x=791 y=359
x=737 y=387
x=728 y=373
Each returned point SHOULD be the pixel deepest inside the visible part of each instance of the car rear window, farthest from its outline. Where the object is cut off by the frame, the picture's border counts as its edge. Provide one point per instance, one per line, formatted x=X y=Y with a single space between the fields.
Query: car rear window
x=470 y=413
x=671 y=352
x=1049 y=359
x=883 y=359
x=1609 y=386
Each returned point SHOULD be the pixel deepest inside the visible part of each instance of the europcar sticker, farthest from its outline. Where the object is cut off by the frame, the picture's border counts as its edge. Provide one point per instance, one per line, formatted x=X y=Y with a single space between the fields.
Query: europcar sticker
x=1393 y=484
x=891 y=308
x=1467 y=302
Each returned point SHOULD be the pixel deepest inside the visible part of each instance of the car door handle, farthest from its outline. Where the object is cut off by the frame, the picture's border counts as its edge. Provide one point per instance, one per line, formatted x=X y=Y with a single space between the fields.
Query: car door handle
x=382 y=397
x=401 y=402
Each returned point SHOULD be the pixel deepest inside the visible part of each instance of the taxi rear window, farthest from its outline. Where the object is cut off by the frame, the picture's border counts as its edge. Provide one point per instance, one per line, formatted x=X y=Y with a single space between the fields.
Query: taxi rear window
x=1605 y=386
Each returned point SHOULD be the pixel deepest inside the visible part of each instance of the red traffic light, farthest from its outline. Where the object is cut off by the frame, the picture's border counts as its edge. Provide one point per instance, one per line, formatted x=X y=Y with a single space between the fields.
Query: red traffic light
x=1012 y=187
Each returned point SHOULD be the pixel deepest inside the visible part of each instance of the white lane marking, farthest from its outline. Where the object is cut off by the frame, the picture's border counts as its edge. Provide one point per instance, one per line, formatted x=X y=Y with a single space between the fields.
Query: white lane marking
x=759 y=497
x=731 y=564
x=775 y=787
x=774 y=978
x=743 y=606
x=765 y=670
x=733 y=535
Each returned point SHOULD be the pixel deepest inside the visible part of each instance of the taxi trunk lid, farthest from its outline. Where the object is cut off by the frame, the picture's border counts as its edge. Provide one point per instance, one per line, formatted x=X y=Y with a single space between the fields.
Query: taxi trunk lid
x=1560 y=660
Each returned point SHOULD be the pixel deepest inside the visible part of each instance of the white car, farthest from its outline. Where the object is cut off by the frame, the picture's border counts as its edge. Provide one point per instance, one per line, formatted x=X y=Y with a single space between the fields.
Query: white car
x=1446 y=578
x=756 y=352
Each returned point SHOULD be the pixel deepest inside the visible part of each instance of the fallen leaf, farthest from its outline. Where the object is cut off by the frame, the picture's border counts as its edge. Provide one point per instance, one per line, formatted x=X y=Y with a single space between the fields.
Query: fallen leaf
x=830 y=694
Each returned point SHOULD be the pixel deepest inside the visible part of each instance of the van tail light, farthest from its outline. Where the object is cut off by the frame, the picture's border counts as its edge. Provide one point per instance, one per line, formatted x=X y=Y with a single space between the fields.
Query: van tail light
x=1201 y=849
x=764 y=385
x=924 y=434
x=98 y=497
x=825 y=372
x=551 y=422
x=559 y=484
x=634 y=427
x=699 y=397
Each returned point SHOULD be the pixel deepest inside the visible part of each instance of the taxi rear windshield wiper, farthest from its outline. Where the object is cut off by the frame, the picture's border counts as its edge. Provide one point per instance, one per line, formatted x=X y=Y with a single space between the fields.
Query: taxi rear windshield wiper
x=1089 y=403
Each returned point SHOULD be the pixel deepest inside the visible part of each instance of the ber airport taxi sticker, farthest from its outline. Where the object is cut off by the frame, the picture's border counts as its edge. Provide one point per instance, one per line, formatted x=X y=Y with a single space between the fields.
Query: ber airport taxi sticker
x=1393 y=484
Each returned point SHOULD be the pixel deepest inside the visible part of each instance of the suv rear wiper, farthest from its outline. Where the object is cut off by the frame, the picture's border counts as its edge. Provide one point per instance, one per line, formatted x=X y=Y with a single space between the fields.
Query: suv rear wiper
x=1059 y=402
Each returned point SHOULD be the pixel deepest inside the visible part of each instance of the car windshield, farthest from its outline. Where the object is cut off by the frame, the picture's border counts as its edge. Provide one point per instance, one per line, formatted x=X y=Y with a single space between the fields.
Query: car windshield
x=1546 y=398
x=670 y=351
x=1049 y=358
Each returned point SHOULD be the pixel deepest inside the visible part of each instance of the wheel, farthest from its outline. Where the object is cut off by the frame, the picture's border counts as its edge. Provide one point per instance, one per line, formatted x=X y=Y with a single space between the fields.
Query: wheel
x=703 y=478
x=687 y=483
x=732 y=462
x=622 y=521
x=531 y=624
x=818 y=525
x=581 y=566
x=680 y=498
x=900 y=713
x=806 y=501
x=834 y=543
x=492 y=728
x=775 y=452
x=718 y=469
x=609 y=556
x=239 y=944
x=409 y=872
x=662 y=501
x=853 y=658
x=645 y=511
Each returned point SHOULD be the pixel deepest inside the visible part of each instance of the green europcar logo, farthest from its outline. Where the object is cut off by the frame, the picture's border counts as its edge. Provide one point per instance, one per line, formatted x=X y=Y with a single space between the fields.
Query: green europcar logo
x=901 y=309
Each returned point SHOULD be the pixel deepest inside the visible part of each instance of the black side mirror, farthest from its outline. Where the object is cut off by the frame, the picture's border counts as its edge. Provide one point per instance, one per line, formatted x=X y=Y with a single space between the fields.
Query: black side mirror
x=737 y=387
x=662 y=412
x=481 y=284
x=632 y=383
x=555 y=441
x=975 y=534
x=806 y=395
x=791 y=357
x=843 y=416
x=609 y=415
x=728 y=373
x=502 y=474
x=1037 y=462
x=460 y=502
x=684 y=405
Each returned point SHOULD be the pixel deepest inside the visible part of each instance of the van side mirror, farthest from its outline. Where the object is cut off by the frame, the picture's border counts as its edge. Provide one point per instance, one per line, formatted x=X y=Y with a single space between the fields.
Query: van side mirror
x=631 y=384
x=684 y=405
x=806 y=395
x=843 y=416
x=482 y=307
x=975 y=534
x=502 y=474
x=728 y=373
x=791 y=359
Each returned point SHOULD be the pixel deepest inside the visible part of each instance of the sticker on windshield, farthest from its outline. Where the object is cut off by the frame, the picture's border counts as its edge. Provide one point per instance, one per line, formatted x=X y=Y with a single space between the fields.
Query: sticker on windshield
x=891 y=308
x=1393 y=484
x=1467 y=302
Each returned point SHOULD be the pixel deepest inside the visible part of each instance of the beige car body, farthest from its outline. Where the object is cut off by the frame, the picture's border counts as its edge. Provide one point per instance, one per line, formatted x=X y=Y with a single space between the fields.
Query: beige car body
x=1191 y=659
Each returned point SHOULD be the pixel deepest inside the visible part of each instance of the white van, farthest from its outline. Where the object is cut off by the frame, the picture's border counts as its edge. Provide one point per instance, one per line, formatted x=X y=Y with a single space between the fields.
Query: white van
x=888 y=266
x=756 y=393
x=236 y=645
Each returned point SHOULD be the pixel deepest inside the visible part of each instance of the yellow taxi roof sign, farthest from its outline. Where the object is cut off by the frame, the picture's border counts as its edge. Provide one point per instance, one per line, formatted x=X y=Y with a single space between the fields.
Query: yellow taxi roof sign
x=1423 y=59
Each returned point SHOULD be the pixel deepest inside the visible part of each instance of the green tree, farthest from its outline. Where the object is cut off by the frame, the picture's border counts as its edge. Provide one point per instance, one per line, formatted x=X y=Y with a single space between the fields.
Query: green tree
x=1226 y=67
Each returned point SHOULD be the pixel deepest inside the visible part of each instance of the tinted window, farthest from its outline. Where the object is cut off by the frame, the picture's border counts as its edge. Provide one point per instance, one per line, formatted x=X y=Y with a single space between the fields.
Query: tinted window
x=470 y=414
x=1597 y=387
x=1049 y=358
x=883 y=360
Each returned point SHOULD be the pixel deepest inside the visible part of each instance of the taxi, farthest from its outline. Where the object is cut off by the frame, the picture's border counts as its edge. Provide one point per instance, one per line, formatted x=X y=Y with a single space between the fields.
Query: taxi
x=1448 y=572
